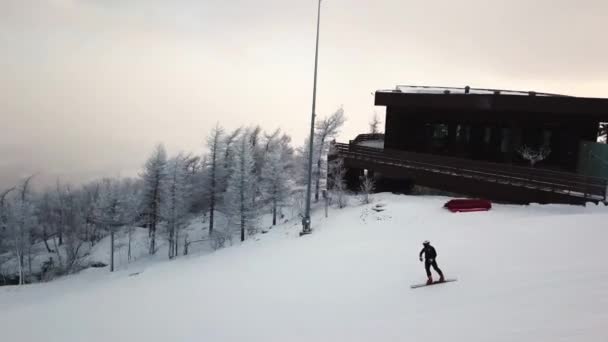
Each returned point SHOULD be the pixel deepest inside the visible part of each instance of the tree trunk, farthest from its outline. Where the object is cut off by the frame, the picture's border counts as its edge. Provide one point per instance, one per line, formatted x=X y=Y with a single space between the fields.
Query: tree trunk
x=171 y=254
x=129 y=248
x=176 y=249
x=45 y=238
x=213 y=190
x=29 y=259
x=112 y=251
x=274 y=211
x=211 y=211
x=20 y=265
x=317 y=180
x=153 y=239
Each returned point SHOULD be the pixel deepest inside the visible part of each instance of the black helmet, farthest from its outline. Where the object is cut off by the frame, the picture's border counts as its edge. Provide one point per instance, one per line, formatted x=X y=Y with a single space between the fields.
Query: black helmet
x=426 y=242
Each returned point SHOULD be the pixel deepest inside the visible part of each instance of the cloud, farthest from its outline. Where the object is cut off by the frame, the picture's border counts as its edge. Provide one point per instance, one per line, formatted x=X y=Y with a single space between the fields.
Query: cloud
x=88 y=87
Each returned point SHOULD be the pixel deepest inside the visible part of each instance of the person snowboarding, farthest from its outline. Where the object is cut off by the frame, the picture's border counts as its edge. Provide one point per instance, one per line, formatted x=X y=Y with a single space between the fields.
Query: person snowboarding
x=430 y=259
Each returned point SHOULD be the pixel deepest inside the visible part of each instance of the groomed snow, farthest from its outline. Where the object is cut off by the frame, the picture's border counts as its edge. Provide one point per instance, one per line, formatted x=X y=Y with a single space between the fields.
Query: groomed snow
x=525 y=273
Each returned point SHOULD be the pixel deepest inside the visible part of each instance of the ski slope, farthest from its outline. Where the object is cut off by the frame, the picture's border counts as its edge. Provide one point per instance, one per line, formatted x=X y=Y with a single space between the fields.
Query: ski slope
x=525 y=273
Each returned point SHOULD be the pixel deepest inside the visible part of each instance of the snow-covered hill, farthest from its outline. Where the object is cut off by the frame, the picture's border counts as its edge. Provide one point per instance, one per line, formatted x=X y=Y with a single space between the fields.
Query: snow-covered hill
x=525 y=273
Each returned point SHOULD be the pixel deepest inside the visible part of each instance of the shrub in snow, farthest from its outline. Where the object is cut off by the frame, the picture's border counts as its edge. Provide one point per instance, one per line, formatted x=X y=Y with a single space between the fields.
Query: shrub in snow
x=367 y=187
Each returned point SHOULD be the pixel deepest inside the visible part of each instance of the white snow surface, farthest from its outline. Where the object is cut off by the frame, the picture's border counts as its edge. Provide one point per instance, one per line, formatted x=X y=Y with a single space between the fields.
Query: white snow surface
x=525 y=273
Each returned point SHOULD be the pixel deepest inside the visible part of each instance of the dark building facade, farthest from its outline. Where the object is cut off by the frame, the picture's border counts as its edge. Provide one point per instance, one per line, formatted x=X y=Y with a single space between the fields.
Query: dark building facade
x=471 y=142
x=491 y=125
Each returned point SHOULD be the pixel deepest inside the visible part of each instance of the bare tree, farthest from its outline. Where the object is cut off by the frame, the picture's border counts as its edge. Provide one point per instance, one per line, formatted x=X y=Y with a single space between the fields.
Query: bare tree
x=374 y=125
x=534 y=155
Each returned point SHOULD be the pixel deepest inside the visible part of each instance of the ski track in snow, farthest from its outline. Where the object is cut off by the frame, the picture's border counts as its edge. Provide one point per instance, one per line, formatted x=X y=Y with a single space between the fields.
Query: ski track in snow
x=525 y=273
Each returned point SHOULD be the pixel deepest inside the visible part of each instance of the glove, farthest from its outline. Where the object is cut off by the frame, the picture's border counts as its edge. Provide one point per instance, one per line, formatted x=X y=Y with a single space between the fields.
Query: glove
x=420 y=259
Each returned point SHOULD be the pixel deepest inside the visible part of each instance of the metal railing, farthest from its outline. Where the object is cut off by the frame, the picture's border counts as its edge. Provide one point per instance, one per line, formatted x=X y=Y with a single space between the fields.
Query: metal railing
x=546 y=180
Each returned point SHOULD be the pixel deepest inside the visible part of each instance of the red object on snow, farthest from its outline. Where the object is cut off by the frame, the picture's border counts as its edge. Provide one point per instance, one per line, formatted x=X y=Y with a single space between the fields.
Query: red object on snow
x=466 y=205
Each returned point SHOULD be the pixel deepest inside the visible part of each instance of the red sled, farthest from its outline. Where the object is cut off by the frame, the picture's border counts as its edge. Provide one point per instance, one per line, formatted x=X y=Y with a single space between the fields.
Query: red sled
x=468 y=205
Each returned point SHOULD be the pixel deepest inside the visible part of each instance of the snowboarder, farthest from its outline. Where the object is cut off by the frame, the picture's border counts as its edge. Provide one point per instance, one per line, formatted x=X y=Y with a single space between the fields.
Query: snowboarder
x=430 y=259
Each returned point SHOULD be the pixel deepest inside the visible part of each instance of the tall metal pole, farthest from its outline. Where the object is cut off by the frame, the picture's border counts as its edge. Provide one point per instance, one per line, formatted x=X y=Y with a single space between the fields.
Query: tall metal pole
x=306 y=220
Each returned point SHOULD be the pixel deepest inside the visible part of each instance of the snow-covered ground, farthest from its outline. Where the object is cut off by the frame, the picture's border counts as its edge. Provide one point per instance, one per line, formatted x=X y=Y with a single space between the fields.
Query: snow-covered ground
x=525 y=273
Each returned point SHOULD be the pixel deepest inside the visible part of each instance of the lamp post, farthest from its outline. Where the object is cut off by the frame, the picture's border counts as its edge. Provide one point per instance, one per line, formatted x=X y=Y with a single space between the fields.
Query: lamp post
x=306 y=219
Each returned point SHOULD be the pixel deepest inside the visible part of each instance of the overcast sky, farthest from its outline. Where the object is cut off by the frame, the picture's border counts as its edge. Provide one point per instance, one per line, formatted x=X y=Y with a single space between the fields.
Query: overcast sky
x=88 y=87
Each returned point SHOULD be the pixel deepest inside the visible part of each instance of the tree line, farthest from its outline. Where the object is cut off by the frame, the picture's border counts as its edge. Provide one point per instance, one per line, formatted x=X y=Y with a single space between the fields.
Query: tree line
x=241 y=173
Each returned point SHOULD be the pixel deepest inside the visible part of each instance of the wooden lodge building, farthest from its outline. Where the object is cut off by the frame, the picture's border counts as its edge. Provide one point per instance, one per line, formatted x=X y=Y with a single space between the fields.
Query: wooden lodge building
x=479 y=142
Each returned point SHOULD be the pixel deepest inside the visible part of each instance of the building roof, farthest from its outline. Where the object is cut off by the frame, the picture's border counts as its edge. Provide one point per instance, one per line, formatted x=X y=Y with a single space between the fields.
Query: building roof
x=411 y=89
x=492 y=100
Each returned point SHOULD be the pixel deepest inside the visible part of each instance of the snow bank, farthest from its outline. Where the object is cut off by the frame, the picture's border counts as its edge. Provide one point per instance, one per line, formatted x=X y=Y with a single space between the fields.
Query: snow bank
x=525 y=273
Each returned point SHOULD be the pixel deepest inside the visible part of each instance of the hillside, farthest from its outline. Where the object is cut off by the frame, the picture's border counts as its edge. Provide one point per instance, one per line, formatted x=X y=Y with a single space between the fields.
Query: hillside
x=525 y=273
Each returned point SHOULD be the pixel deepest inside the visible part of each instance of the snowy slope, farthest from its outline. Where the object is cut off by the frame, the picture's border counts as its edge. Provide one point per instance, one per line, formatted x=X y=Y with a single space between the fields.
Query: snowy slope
x=532 y=273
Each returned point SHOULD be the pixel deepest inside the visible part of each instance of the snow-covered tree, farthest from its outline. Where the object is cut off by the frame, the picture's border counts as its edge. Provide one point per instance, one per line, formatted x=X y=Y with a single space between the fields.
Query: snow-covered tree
x=337 y=171
x=5 y=215
x=131 y=191
x=175 y=208
x=154 y=177
x=367 y=187
x=215 y=166
x=229 y=154
x=276 y=180
x=325 y=130
x=239 y=204
x=73 y=221
x=21 y=221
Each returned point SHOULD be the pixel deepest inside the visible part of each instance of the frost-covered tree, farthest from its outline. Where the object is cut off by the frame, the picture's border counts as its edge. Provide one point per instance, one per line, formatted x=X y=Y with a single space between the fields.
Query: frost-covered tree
x=215 y=166
x=131 y=193
x=239 y=204
x=229 y=154
x=175 y=208
x=21 y=221
x=5 y=216
x=195 y=176
x=367 y=187
x=276 y=180
x=325 y=130
x=114 y=210
x=47 y=213
x=73 y=221
x=337 y=171
x=154 y=176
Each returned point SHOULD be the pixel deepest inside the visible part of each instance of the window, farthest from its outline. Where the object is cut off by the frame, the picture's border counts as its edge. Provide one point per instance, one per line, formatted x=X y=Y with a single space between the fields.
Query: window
x=546 y=137
x=440 y=131
x=506 y=140
x=487 y=135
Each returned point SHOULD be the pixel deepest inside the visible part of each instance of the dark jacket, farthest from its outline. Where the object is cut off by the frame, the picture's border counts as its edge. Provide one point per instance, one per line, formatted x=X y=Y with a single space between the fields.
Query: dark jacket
x=429 y=252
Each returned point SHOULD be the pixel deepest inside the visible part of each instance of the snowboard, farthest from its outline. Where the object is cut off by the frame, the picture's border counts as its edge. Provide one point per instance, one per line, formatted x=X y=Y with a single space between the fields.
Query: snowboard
x=433 y=283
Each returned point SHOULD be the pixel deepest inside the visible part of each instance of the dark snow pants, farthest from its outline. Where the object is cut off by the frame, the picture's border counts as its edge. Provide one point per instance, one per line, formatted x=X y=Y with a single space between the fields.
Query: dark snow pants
x=427 y=266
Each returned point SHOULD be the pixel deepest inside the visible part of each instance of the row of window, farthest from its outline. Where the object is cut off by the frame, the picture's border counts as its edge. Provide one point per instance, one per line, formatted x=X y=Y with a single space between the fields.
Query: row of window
x=534 y=137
